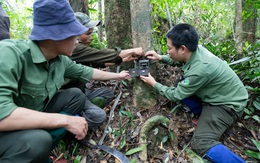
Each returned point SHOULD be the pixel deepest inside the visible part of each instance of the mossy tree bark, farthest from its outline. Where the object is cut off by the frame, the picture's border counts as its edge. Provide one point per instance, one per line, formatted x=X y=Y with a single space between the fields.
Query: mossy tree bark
x=238 y=29
x=141 y=34
x=118 y=26
x=249 y=8
x=128 y=24
x=118 y=23
x=79 y=6
x=245 y=24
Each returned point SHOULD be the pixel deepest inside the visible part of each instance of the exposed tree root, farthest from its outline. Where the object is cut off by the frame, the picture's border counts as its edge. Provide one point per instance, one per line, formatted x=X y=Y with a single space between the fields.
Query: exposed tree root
x=147 y=126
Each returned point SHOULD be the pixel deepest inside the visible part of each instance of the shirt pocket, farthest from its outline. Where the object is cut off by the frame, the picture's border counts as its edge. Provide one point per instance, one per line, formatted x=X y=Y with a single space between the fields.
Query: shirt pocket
x=32 y=97
x=58 y=83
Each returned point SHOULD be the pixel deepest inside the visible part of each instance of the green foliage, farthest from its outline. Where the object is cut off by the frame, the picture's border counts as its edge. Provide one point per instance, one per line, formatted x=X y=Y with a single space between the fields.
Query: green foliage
x=122 y=132
x=129 y=114
x=215 y=28
x=60 y=149
x=223 y=49
x=194 y=156
x=135 y=150
x=254 y=154
x=249 y=72
x=212 y=23
x=95 y=43
x=250 y=113
x=77 y=159
x=20 y=14
x=75 y=149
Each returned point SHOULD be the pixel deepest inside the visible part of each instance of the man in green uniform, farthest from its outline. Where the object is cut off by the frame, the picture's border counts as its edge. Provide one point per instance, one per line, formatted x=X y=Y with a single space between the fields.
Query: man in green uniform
x=97 y=98
x=212 y=82
x=86 y=55
x=32 y=72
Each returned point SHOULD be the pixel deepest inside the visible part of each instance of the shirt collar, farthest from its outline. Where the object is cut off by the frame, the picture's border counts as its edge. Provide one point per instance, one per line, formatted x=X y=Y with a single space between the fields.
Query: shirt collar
x=37 y=55
x=192 y=58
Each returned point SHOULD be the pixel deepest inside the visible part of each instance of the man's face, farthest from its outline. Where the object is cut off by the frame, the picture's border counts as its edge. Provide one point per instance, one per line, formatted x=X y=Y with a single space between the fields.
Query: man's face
x=173 y=52
x=86 y=38
x=67 y=46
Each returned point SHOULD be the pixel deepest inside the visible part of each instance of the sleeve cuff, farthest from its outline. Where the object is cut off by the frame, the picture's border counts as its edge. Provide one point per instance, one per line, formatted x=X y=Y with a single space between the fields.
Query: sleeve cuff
x=118 y=60
x=164 y=58
x=157 y=86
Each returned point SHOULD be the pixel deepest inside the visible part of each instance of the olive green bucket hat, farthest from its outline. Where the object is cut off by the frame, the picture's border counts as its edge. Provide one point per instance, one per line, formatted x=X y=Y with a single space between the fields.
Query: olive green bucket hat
x=86 y=21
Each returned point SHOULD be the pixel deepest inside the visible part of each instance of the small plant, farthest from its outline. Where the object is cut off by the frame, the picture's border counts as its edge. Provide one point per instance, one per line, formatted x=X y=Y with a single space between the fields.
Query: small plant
x=95 y=43
x=254 y=154
x=250 y=113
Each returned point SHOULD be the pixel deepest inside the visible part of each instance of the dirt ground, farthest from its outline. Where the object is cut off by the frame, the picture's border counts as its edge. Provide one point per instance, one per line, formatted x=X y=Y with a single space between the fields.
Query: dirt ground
x=166 y=143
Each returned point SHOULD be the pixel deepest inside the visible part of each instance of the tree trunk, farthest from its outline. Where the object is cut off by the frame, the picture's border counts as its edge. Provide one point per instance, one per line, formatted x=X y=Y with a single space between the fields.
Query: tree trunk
x=238 y=29
x=118 y=23
x=118 y=26
x=249 y=20
x=100 y=28
x=141 y=33
x=79 y=6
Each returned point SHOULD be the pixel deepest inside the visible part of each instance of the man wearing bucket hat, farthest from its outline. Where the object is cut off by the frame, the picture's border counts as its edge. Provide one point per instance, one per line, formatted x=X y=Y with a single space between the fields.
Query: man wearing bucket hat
x=34 y=112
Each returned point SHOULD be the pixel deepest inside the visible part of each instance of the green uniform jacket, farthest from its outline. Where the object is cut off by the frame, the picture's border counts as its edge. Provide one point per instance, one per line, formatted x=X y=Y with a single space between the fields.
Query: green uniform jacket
x=91 y=57
x=209 y=78
x=95 y=57
x=28 y=80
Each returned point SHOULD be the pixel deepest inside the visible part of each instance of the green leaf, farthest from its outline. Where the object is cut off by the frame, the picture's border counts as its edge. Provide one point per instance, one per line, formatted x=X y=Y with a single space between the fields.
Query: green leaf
x=171 y=135
x=165 y=138
x=257 y=144
x=252 y=109
x=256 y=117
x=252 y=154
x=122 y=143
x=133 y=161
x=246 y=117
x=75 y=149
x=174 y=110
x=247 y=111
x=77 y=159
x=134 y=150
x=256 y=104
x=155 y=131
x=124 y=82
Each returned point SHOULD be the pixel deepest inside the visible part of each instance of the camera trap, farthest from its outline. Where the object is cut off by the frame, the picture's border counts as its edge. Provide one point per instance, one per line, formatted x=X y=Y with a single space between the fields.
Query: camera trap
x=142 y=68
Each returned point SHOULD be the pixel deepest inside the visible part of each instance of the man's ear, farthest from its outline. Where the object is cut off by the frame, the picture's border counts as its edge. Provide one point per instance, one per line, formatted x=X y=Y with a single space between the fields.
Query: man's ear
x=183 y=49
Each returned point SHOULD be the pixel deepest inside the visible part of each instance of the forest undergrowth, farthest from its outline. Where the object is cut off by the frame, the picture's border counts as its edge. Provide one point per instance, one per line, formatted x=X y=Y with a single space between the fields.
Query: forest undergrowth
x=166 y=143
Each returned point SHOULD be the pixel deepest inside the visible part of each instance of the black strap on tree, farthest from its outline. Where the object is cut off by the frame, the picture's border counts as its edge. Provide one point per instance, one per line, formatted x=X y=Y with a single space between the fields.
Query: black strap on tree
x=112 y=110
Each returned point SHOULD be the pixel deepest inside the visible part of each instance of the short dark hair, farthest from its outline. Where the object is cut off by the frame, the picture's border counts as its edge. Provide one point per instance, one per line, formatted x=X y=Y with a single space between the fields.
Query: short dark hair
x=183 y=34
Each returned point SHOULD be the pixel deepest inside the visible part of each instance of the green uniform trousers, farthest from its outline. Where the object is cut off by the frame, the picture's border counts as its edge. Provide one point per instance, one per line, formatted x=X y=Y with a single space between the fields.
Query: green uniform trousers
x=35 y=145
x=212 y=123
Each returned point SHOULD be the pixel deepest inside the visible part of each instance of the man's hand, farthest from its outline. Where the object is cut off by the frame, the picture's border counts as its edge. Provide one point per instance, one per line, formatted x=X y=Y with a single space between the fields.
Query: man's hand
x=153 y=55
x=123 y=75
x=138 y=52
x=105 y=75
x=23 y=119
x=129 y=55
x=130 y=58
x=148 y=79
x=77 y=126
